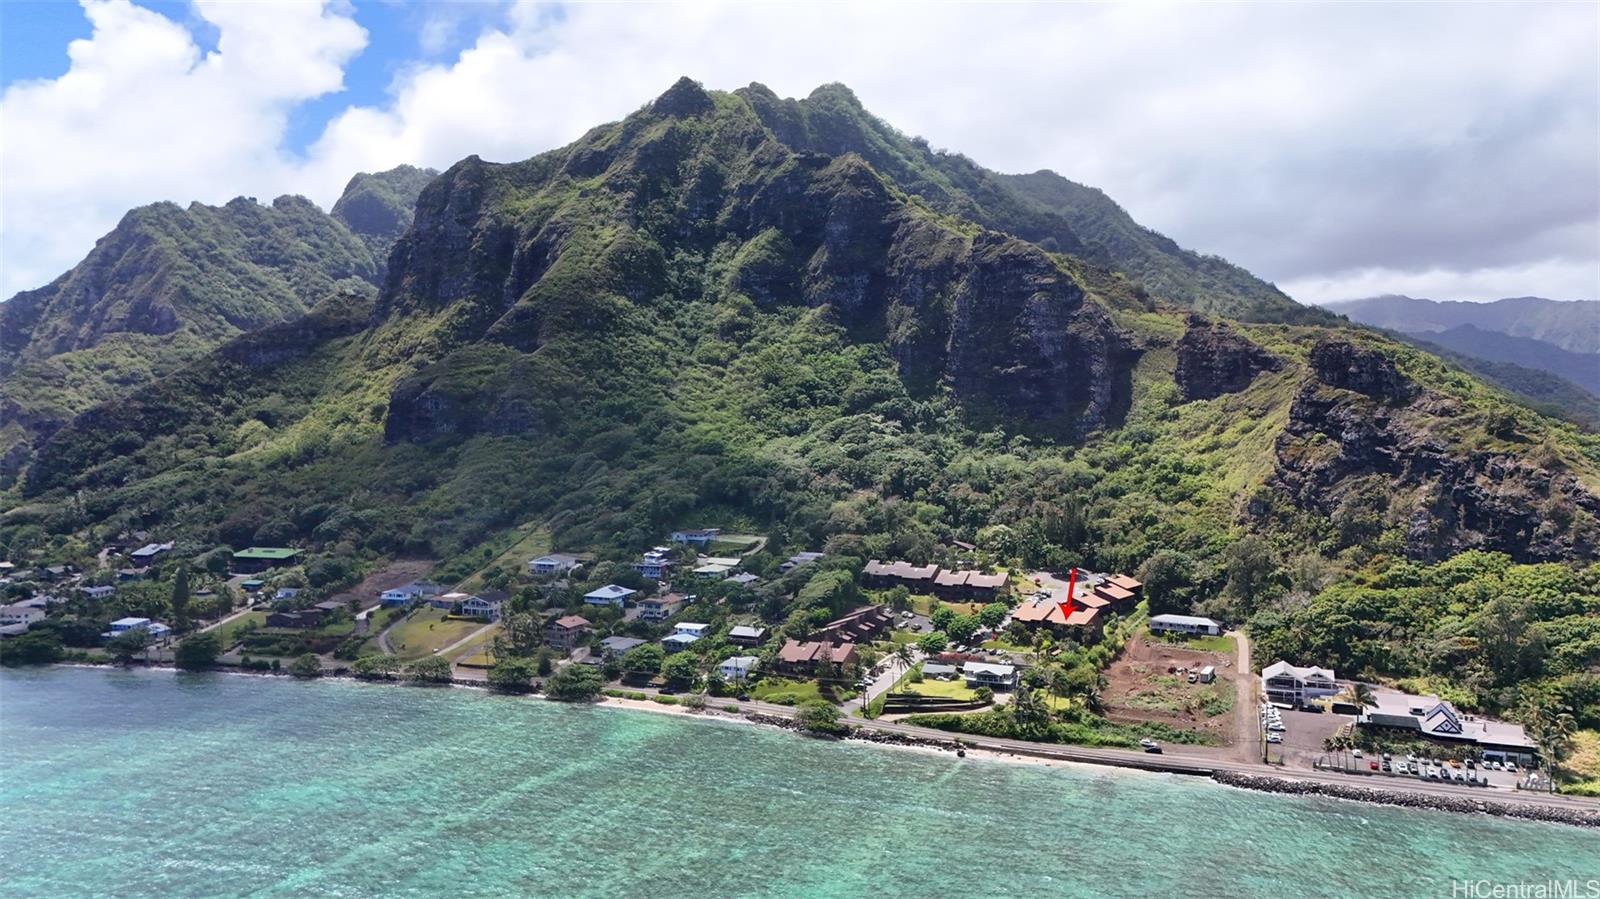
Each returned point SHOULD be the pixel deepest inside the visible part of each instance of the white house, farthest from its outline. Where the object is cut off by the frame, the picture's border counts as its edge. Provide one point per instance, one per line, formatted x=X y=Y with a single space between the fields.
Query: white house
x=155 y=629
x=677 y=642
x=1292 y=684
x=984 y=674
x=487 y=607
x=409 y=593
x=738 y=668
x=691 y=629
x=554 y=563
x=98 y=592
x=696 y=536
x=448 y=601
x=1184 y=624
x=609 y=595
x=17 y=613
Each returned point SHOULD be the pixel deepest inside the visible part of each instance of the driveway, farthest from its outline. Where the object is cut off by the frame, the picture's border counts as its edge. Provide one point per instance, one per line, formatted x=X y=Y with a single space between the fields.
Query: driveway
x=1246 y=704
x=880 y=684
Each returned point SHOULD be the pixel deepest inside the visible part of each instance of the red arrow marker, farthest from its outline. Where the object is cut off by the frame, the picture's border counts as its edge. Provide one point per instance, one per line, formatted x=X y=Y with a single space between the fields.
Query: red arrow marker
x=1072 y=583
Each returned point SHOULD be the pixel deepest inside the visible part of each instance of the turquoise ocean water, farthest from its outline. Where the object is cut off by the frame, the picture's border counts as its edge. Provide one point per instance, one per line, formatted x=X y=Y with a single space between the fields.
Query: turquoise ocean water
x=165 y=785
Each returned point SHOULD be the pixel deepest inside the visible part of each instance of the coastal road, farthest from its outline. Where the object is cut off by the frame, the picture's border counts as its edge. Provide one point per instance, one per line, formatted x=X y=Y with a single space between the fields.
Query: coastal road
x=1182 y=764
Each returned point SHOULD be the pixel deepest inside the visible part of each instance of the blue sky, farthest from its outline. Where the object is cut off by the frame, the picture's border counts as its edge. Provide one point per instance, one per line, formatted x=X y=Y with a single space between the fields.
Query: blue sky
x=1339 y=150
x=34 y=35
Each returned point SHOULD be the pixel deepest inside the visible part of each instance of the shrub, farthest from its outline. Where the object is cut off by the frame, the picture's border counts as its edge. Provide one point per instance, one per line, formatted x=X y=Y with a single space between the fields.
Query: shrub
x=575 y=683
x=307 y=666
x=198 y=652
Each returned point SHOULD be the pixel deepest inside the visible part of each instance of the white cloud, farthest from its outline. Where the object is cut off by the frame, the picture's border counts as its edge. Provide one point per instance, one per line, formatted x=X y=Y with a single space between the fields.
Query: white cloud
x=1557 y=280
x=143 y=115
x=1319 y=145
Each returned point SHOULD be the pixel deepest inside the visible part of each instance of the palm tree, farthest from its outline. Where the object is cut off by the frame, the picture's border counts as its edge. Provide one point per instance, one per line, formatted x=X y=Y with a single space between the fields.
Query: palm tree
x=904 y=657
x=1361 y=696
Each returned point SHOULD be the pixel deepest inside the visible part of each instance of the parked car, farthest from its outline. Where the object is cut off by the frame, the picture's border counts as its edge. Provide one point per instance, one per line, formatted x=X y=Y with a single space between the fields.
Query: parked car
x=1149 y=745
x=1372 y=766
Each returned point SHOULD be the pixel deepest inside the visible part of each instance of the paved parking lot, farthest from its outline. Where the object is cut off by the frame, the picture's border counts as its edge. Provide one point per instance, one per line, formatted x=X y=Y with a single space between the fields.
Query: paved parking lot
x=1303 y=737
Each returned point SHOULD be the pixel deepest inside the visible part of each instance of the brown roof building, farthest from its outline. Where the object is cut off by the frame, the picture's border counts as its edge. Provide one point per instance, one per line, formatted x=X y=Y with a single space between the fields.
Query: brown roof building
x=862 y=625
x=566 y=631
x=803 y=658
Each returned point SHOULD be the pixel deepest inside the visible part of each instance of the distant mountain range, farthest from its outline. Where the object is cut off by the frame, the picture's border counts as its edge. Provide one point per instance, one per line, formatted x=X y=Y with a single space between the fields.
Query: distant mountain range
x=1572 y=325
x=1560 y=338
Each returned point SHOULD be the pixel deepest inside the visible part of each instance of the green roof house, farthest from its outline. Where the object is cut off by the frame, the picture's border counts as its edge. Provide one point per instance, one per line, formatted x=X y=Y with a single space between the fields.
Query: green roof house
x=260 y=558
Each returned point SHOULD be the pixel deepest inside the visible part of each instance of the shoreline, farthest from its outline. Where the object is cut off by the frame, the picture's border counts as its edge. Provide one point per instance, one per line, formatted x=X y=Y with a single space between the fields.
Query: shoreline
x=964 y=746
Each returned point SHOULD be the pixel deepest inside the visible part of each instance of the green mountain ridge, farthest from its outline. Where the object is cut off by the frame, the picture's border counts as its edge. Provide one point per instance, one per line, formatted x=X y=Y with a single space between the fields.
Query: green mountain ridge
x=721 y=311
x=170 y=283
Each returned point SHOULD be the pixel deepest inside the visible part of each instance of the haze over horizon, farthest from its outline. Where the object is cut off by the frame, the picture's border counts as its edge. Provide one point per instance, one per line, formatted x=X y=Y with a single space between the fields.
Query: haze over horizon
x=1260 y=134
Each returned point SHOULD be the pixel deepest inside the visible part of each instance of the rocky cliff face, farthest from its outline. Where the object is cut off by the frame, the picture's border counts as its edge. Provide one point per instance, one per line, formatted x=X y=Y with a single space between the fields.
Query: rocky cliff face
x=1015 y=337
x=1214 y=359
x=1358 y=416
x=378 y=208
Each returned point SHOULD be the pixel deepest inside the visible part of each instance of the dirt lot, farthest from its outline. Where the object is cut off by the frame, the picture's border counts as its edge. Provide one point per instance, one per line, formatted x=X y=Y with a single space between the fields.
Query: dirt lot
x=1140 y=688
x=394 y=574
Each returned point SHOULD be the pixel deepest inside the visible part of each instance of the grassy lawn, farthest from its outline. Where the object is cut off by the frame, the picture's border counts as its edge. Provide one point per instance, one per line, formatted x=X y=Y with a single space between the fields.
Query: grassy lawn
x=426 y=631
x=1582 y=766
x=532 y=541
x=949 y=689
x=732 y=544
x=902 y=637
x=337 y=628
x=229 y=632
x=1222 y=643
x=782 y=690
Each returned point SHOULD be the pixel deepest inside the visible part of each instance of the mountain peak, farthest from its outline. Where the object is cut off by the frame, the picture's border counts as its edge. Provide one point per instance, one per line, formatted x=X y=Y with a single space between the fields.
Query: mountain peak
x=684 y=98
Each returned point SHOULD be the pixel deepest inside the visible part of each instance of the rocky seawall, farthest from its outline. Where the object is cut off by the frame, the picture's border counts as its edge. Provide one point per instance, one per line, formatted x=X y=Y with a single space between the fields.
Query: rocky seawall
x=1408 y=799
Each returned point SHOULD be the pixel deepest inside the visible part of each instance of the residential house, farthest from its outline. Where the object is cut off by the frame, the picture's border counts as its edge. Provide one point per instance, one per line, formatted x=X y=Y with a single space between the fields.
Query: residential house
x=691 y=629
x=803 y=658
x=332 y=606
x=660 y=608
x=485 y=605
x=100 y=591
x=553 y=564
x=1124 y=582
x=743 y=578
x=609 y=595
x=746 y=635
x=738 y=669
x=614 y=648
x=860 y=626
x=985 y=587
x=253 y=585
x=715 y=570
x=951 y=584
x=567 y=631
x=155 y=629
x=987 y=674
x=18 y=613
x=968 y=584
x=917 y=578
x=447 y=601
x=676 y=642
x=129 y=624
x=409 y=594
x=1184 y=624
x=656 y=564
x=798 y=559
x=132 y=574
x=285 y=593
x=700 y=537
x=301 y=619
x=1292 y=684
x=260 y=558
x=939 y=670
x=1437 y=719
x=146 y=554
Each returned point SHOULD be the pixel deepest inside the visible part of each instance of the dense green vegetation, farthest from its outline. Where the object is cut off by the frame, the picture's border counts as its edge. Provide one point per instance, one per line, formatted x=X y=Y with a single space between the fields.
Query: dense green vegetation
x=1478 y=629
x=782 y=317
